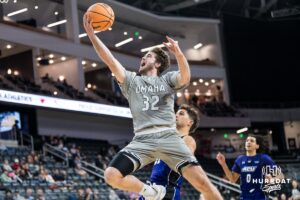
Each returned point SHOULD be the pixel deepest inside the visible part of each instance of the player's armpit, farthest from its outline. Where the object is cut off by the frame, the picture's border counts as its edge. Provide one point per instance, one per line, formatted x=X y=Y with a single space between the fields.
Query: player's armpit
x=190 y=142
x=182 y=81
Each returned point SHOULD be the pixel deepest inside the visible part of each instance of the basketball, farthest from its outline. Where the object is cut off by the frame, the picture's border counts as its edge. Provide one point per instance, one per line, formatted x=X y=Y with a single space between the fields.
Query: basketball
x=102 y=16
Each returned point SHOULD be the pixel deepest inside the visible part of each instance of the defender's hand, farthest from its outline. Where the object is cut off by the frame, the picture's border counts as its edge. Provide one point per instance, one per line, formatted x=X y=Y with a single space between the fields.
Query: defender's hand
x=221 y=158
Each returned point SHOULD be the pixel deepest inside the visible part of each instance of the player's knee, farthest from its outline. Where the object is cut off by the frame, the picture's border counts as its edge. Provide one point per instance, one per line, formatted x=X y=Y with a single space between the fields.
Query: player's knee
x=112 y=176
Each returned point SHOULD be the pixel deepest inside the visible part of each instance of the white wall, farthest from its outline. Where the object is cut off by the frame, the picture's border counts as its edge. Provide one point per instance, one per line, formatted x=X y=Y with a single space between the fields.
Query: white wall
x=292 y=130
x=69 y=69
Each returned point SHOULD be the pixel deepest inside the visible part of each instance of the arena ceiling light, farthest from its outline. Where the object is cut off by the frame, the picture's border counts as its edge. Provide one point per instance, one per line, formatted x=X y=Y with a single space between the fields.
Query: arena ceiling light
x=197 y=46
x=85 y=34
x=57 y=23
x=82 y=35
x=242 y=130
x=156 y=46
x=124 y=42
x=17 y=12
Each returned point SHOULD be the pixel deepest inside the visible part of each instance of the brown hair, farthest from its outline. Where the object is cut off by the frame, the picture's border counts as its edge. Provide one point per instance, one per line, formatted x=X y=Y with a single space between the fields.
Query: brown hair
x=163 y=58
x=259 y=141
x=193 y=114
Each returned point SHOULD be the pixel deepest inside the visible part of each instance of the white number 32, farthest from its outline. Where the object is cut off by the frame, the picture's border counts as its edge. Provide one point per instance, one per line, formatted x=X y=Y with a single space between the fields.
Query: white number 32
x=148 y=104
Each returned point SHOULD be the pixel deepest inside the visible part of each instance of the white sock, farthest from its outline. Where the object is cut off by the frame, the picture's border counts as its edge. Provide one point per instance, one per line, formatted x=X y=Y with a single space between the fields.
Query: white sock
x=147 y=191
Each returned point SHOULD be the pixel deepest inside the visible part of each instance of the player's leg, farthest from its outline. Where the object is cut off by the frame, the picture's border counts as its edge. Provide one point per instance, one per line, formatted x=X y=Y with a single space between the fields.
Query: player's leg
x=117 y=174
x=179 y=158
x=198 y=179
x=133 y=157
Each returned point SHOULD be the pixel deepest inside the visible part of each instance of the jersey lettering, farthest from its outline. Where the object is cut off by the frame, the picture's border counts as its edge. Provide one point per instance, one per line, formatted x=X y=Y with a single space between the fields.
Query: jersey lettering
x=154 y=99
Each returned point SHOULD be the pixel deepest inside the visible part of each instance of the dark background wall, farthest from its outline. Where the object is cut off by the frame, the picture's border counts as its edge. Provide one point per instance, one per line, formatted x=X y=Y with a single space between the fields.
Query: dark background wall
x=263 y=59
x=101 y=78
x=21 y=62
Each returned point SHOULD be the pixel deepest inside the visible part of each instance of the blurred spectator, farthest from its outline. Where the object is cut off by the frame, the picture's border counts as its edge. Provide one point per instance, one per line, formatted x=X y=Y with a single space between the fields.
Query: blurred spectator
x=59 y=175
x=80 y=171
x=6 y=177
x=96 y=194
x=44 y=176
x=16 y=165
x=113 y=195
x=40 y=194
x=88 y=194
x=18 y=196
x=15 y=130
x=99 y=161
x=80 y=194
x=6 y=166
x=8 y=195
x=33 y=167
x=283 y=197
x=29 y=194
x=295 y=190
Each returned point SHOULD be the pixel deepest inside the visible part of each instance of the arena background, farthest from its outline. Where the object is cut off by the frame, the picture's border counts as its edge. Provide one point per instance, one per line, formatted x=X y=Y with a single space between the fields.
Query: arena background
x=244 y=59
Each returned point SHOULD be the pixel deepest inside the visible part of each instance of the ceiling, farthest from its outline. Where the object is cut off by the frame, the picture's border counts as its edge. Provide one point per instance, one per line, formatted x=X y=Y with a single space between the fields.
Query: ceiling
x=259 y=9
x=152 y=28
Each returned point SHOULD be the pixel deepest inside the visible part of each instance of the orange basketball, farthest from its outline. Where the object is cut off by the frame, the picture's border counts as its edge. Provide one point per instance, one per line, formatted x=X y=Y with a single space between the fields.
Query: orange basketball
x=102 y=16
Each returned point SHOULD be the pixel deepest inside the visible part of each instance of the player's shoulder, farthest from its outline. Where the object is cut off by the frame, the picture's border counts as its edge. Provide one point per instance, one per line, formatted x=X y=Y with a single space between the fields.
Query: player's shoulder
x=189 y=138
x=240 y=157
x=265 y=157
x=169 y=74
x=130 y=72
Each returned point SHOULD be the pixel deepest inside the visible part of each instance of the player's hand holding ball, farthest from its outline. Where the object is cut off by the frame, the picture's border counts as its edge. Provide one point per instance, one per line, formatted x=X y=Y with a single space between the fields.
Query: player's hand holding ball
x=98 y=17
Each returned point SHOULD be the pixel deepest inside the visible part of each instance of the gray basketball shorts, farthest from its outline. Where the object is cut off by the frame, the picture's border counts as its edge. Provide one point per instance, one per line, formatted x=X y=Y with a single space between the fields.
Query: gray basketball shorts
x=167 y=146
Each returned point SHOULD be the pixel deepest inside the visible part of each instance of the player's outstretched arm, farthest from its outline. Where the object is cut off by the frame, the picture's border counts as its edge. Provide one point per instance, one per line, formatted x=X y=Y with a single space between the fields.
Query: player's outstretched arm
x=184 y=76
x=232 y=176
x=103 y=52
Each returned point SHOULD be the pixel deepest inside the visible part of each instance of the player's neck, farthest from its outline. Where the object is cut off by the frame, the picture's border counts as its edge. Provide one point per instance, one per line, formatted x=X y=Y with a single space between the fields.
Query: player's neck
x=183 y=131
x=251 y=153
x=152 y=72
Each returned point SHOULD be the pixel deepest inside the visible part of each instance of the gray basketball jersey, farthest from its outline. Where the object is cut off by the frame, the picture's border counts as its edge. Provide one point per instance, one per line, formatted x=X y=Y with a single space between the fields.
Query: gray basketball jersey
x=151 y=101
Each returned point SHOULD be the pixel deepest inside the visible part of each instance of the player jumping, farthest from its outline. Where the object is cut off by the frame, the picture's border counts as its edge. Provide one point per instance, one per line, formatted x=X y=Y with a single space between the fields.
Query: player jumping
x=151 y=101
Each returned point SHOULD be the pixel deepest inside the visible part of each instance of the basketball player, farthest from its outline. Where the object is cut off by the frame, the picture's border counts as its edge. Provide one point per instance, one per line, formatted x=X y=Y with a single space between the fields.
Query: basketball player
x=151 y=101
x=250 y=168
x=187 y=120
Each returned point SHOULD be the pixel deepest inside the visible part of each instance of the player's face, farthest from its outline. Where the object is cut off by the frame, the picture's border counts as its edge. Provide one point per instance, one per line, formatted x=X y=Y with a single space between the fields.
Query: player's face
x=251 y=144
x=148 y=62
x=182 y=118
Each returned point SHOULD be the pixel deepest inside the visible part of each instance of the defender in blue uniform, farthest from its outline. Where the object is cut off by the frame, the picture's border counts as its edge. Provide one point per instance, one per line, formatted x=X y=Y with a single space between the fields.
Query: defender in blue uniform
x=187 y=120
x=252 y=168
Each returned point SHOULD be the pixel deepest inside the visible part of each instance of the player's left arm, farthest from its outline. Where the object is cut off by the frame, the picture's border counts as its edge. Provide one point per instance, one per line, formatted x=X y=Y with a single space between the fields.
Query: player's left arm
x=190 y=142
x=184 y=75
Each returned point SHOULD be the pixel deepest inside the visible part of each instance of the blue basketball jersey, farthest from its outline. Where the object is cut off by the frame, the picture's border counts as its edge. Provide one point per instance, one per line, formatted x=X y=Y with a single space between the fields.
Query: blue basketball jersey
x=163 y=175
x=251 y=173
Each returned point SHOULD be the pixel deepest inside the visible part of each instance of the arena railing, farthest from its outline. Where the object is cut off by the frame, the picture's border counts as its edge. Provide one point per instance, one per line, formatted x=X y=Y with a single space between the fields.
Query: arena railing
x=47 y=148
x=26 y=138
x=224 y=183
x=90 y=168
